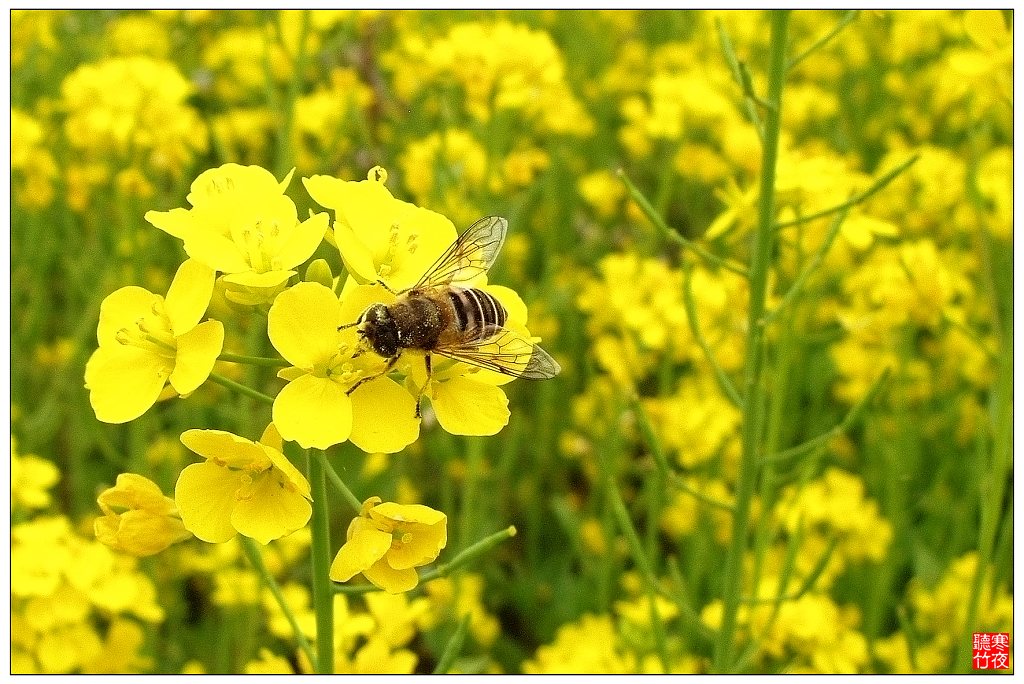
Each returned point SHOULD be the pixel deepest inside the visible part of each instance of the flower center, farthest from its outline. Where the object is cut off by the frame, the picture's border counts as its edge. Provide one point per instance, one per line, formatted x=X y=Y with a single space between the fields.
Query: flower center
x=259 y=242
x=151 y=333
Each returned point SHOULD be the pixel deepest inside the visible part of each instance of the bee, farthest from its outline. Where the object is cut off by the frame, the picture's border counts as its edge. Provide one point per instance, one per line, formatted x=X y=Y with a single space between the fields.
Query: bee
x=437 y=317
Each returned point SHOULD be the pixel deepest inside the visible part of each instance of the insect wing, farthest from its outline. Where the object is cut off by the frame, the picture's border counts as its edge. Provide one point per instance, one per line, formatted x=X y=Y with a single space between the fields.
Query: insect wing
x=505 y=351
x=470 y=255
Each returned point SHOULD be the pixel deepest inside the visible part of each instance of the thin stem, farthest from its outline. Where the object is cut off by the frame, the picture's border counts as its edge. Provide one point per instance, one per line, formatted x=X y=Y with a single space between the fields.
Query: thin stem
x=647 y=429
x=253 y=360
x=646 y=570
x=753 y=395
x=454 y=647
x=801 y=280
x=737 y=74
x=856 y=199
x=320 y=550
x=845 y=21
x=680 y=483
x=255 y=556
x=848 y=421
x=672 y=234
x=443 y=569
x=240 y=388
x=726 y=385
x=339 y=484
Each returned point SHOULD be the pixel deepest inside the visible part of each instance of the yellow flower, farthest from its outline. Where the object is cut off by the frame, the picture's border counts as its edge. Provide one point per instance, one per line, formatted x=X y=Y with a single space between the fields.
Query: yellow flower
x=387 y=541
x=137 y=517
x=268 y=664
x=589 y=645
x=245 y=487
x=315 y=409
x=466 y=400
x=147 y=340
x=31 y=477
x=244 y=226
x=132 y=107
x=32 y=164
x=380 y=237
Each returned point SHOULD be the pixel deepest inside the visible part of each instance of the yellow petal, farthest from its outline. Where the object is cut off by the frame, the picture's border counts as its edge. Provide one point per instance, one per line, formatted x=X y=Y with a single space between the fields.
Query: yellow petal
x=467 y=407
x=205 y=495
x=272 y=438
x=198 y=350
x=272 y=511
x=315 y=412
x=383 y=417
x=121 y=309
x=124 y=382
x=356 y=255
x=405 y=513
x=303 y=240
x=227 y=448
x=303 y=324
x=290 y=475
x=177 y=222
x=364 y=548
x=391 y=580
x=217 y=251
x=268 y=280
x=189 y=295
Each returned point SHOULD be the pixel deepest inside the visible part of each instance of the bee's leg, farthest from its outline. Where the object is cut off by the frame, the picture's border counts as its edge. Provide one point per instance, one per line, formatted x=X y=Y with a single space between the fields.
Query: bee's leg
x=394 y=292
x=391 y=364
x=419 y=397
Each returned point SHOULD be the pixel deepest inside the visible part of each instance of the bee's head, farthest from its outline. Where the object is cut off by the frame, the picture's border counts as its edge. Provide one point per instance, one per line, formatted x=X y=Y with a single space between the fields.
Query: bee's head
x=378 y=327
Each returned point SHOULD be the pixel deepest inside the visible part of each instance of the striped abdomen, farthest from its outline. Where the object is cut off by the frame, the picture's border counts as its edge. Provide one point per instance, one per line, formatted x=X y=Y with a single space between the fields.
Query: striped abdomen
x=476 y=312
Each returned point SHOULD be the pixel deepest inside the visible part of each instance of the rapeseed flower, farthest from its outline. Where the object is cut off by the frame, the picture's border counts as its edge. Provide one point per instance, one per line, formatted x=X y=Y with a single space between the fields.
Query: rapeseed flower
x=244 y=487
x=243 y=225
x=137 y=518
x=147 y=341
x=386 y=542
x=31 y=479
x=589 y=645
x=380 y=237
x=32 y=165
x=315 y=409
x=133 y=108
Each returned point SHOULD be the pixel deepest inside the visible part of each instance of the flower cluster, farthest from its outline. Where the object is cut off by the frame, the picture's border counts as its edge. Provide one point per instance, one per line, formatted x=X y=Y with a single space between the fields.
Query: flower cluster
x=76 y=606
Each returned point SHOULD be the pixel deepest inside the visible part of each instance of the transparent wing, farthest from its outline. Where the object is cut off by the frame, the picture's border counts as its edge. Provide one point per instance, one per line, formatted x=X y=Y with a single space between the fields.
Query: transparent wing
x=505 y=351
x=471 y=254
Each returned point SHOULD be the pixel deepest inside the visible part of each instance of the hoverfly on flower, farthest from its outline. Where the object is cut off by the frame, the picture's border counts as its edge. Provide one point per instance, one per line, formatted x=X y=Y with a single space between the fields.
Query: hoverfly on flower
x=467 y=324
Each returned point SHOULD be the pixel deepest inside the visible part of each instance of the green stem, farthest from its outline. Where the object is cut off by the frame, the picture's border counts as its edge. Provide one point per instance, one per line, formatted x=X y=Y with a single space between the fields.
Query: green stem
x=753 y=396
x=646 y=570
x=996 y=468
x=253 y=360
x=255 y=556
x=671 y=234
x=846 y=20
x=724 y=383
x=240 y=388
x=453 y=648
x=442 y=569
x=856 y=199
x=323 y=594
x=848 y=421
x=339 y=484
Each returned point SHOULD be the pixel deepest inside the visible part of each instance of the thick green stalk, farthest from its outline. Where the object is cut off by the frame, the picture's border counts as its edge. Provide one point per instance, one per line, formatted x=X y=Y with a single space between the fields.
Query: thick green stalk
x=323 y=591
x=753 y=395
